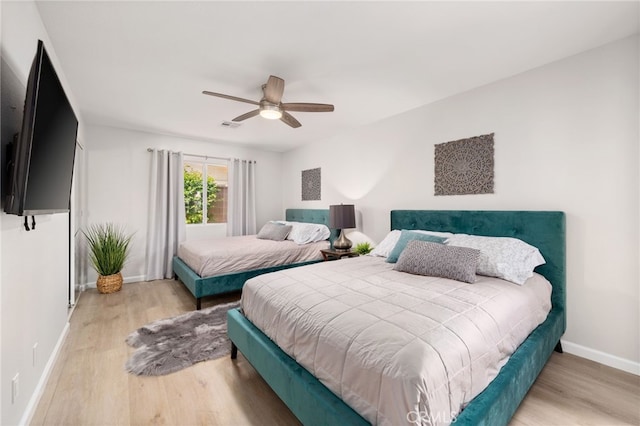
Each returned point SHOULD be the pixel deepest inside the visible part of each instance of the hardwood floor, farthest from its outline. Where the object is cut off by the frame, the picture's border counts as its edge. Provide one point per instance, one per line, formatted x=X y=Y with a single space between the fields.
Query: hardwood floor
x=89 y=386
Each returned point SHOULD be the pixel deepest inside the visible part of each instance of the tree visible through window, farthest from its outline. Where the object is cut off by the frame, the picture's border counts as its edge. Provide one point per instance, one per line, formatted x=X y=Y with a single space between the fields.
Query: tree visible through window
x=205 y=181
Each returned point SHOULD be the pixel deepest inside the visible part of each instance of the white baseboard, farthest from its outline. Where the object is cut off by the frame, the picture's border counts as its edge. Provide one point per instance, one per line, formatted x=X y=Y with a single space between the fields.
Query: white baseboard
x=136 y=279
x=44 y=378
x=125 y=280
x=602 y=357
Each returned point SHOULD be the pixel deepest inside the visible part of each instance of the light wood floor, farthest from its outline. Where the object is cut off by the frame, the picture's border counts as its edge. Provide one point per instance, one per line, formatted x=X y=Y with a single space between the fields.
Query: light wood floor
x=88 y=385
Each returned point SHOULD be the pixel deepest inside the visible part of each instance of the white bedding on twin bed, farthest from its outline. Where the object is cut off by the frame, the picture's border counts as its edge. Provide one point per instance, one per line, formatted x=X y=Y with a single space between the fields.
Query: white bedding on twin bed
x=398 y=348
x=215 y=256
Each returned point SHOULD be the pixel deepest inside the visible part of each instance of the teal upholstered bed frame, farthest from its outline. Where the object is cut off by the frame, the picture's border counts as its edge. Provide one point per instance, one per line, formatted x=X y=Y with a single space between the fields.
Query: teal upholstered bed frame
x=314 y=404
x=225 y=283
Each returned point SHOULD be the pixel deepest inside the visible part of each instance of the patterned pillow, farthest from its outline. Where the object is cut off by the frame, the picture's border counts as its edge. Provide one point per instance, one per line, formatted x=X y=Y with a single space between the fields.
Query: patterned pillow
x=439 y=260
x=508 y=258
x=274 y=231
x=405 y=237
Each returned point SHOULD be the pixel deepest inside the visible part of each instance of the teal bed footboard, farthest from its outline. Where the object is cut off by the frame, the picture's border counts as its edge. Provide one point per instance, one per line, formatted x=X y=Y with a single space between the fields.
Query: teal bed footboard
x=314 y=404
x=309 y=399
x=221 y=284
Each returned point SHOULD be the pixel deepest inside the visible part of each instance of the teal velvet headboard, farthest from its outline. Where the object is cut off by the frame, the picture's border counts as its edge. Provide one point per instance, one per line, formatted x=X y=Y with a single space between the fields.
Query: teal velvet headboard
x=308 y=215
x=542 y=229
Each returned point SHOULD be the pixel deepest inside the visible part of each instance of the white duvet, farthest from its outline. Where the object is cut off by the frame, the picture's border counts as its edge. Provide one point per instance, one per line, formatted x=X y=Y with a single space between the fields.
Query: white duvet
x=397 y=348
x=215 y=256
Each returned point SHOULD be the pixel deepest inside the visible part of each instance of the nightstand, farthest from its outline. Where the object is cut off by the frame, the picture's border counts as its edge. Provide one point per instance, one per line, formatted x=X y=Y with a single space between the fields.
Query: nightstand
x=329 y=254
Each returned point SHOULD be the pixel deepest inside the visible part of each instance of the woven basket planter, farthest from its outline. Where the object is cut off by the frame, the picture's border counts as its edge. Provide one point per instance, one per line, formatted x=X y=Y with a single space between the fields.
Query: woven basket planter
x=109 y=283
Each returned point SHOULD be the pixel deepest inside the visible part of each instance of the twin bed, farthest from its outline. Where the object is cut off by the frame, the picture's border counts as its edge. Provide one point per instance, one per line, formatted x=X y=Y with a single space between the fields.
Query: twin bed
x=370 y=334
x=212 y=267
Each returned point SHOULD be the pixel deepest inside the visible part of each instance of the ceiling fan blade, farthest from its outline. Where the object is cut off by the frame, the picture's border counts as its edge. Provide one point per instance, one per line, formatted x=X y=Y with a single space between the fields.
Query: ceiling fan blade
x=306 y=107
x=247 y=115
x=288 y=119
x=233 y=98
x=273 y=89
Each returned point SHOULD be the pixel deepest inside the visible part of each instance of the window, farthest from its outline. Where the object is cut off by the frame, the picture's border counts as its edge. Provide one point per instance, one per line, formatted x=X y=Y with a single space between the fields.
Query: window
x=205 y=181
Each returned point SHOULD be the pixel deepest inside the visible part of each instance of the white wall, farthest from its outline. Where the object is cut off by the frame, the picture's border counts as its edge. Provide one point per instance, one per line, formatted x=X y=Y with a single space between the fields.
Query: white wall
x=34 y=265
x=1 y=181
x=117 y=172
x=566 y=138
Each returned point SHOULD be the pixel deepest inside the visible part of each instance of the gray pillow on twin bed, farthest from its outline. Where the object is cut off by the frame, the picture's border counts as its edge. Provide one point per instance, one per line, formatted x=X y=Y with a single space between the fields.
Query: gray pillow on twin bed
x=438 y=260
x=274 y=231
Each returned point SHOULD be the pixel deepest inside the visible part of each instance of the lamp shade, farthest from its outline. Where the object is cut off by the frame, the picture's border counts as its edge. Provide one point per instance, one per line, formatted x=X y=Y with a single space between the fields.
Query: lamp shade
x=342 y=216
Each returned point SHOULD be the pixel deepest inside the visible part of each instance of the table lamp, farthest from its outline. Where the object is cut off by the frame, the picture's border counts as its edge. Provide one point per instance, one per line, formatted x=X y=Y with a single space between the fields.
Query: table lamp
x=342 y=217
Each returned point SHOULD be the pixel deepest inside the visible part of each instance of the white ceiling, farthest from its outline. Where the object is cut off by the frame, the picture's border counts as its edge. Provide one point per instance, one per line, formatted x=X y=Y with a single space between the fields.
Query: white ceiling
x=143 y=65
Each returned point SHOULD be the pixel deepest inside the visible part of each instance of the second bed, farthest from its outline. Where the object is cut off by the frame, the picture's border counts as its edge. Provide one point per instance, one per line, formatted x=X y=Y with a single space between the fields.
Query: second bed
x=211 y=267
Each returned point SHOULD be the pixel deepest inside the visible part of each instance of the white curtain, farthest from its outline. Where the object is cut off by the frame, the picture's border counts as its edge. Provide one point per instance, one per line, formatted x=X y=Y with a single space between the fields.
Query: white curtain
x=167 y=223
x=241 y=214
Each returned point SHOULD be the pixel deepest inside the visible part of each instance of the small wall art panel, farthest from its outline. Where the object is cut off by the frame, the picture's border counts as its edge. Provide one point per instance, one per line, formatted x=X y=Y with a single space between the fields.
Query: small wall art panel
x=464 y=166
x=311 y=188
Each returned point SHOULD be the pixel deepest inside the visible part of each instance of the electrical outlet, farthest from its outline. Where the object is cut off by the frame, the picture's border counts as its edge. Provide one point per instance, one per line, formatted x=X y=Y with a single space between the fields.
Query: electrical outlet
x=14 y=388
x=35 y=354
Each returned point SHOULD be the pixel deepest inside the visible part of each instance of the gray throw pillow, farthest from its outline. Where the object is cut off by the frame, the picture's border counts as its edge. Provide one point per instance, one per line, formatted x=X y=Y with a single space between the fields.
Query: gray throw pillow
x=438 y=260
x=274 y=231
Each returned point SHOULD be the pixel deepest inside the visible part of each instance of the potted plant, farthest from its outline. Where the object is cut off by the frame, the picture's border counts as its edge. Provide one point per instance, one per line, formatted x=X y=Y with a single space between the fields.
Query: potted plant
x=363 y=248
x=108 y=251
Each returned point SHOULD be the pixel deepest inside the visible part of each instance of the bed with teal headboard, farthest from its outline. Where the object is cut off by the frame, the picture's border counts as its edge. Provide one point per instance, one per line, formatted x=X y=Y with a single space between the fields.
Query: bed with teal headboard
x=314 y=404
x=225 y=283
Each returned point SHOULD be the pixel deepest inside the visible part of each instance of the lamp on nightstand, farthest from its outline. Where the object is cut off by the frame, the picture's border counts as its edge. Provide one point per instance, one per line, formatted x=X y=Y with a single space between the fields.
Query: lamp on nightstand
x=342 y=217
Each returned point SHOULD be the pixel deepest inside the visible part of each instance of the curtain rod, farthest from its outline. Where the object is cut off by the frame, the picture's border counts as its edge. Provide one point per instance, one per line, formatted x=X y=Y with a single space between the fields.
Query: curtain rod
x=199 y=156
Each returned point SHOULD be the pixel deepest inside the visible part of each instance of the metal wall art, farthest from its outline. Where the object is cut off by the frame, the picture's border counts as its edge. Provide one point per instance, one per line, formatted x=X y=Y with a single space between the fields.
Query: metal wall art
x=311 y=189
x=464 y=166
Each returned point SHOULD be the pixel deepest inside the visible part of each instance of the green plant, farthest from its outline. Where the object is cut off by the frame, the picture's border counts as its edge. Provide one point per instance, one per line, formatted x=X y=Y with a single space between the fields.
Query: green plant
x=193 y=194
x=363 y=248
x=108 y=248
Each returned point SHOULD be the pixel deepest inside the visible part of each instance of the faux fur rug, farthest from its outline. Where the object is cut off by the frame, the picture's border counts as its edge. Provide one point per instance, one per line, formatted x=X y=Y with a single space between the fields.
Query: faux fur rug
x=171 y=344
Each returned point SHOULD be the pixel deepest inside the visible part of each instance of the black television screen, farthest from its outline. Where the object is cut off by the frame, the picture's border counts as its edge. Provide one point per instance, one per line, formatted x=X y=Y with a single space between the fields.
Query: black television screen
x=43 y=154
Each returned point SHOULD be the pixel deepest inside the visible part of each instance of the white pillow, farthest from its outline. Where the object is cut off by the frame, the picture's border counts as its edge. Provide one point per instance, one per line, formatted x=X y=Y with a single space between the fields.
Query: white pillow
x=386 y=245
x=508 y=258
x=384 y=248
x=304 y=233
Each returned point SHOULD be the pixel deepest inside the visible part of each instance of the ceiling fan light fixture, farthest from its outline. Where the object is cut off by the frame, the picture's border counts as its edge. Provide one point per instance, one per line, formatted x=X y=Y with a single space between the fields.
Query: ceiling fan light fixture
x=271 y=106
x=271 y=112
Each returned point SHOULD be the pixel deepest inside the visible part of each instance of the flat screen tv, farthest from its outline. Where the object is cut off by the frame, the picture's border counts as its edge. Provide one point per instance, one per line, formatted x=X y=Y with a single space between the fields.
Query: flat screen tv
x=41 y=161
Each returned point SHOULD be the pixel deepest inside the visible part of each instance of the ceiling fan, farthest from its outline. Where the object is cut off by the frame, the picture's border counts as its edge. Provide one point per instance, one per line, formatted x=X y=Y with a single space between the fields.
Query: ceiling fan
x=271 y=107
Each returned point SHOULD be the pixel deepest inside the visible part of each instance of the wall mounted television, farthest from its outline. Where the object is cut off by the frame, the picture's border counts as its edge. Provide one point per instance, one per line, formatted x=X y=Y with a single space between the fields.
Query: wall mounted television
x=41 y=161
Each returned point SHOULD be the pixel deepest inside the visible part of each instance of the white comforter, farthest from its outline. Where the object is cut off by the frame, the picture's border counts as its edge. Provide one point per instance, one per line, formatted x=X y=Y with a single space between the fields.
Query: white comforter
x=398 y=348
x=215 y=256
